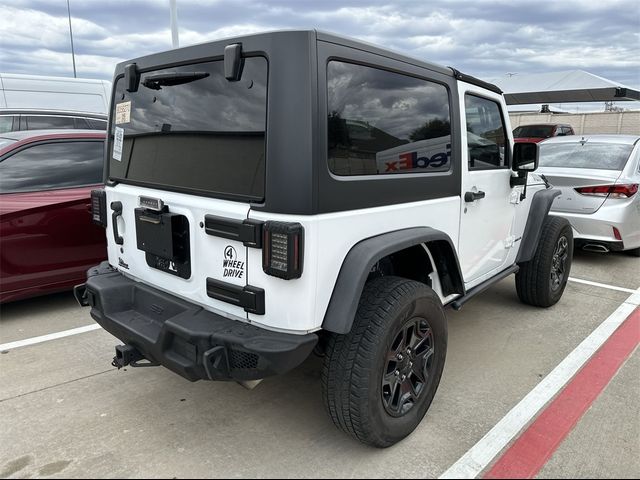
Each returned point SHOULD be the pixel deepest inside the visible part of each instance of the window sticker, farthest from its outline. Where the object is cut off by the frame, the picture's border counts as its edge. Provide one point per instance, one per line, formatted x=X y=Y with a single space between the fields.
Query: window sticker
x=118 y=139
x=123 y=112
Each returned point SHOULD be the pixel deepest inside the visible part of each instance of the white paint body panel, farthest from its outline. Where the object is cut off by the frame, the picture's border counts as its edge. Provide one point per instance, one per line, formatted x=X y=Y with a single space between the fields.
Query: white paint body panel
x=301 y=304
x=206 y=251
x=487 y=226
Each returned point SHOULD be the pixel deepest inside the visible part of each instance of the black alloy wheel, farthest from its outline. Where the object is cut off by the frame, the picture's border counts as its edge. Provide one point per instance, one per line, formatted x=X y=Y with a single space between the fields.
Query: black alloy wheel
x=408 y=367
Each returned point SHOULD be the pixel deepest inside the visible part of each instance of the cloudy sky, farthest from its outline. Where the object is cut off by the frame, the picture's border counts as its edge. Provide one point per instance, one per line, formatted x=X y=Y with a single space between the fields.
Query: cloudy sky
x=488 y=39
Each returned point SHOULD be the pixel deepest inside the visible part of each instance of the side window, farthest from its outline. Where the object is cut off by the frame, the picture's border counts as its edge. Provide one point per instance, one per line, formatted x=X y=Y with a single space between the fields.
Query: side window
x=6 y=123
x=95 y=124
x=486 y=139
x=382 y=122
x=43 y=122
x=81 y=123
x=51 y=166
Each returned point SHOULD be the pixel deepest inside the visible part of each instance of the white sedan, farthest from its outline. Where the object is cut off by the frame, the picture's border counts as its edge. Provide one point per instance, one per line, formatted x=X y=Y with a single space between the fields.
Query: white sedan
x=598 y=176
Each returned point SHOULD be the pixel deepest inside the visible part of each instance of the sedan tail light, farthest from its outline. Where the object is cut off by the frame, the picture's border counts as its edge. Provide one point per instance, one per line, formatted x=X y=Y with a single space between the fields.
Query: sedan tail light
x=282 y=249
x=99 y=207
x=614 y=191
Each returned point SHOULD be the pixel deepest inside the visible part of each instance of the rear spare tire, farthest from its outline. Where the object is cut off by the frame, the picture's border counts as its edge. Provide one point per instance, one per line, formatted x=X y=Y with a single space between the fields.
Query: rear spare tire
x=378 y=381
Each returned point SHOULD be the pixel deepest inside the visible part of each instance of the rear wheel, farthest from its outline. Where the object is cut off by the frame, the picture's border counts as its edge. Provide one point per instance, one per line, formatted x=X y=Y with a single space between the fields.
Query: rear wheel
x=542 y=280
x=379 y=380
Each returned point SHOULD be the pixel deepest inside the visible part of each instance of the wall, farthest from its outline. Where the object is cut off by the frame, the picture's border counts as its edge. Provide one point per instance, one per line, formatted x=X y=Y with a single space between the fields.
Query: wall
x=627 y=122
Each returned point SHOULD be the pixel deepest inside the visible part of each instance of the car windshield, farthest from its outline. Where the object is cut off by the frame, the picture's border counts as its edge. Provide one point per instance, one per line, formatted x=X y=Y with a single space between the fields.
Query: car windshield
x=536 y=131
x=188 y=128
x=603 y=156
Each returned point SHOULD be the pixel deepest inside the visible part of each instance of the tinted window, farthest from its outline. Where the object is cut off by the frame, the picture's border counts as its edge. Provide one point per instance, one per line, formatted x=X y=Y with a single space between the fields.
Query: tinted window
x=52 y=165
x=534 y=131
x=384 y=122
x=80 y=122
x=43 y=122
x=190 y=128
x=606 y=156
x=96 y=124
x=6 y=123
x=486 y=139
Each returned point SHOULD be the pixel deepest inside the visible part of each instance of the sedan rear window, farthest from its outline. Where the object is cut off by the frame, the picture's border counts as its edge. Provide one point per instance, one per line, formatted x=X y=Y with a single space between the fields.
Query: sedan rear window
x=601 y=156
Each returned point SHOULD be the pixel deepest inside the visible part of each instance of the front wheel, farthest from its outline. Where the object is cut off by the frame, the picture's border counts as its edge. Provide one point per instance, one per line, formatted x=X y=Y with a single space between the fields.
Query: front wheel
x=541 y=281
x=379 y=380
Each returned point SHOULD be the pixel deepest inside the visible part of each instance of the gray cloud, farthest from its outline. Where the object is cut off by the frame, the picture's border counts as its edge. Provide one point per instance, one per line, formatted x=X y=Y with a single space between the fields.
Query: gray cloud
x=484 y=38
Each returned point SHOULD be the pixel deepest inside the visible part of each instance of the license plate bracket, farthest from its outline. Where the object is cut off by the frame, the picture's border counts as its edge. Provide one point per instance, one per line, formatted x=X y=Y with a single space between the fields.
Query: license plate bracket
x=164 y=237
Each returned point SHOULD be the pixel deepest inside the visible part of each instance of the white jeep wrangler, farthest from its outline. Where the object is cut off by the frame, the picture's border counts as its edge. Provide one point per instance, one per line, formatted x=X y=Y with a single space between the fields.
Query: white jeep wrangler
x=281 y=193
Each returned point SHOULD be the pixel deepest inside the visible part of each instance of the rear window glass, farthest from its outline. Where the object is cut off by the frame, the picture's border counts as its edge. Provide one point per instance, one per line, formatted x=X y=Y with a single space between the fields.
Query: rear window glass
x=188 y=128
x=536 y=131
x=42 y=122
x=383 y=122
x=605 y=156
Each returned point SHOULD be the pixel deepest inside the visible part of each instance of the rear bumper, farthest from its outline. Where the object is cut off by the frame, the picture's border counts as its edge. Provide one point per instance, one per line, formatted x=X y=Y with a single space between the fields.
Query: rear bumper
x=598 y=227
x=192 y=342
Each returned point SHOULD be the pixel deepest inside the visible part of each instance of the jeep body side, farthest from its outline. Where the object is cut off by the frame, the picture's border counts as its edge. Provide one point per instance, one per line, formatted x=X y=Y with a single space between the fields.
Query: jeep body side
x=251 y=209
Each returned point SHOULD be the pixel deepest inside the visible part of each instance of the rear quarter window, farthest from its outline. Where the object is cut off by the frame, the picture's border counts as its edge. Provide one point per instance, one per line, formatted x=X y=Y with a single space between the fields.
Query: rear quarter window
x=382 y=122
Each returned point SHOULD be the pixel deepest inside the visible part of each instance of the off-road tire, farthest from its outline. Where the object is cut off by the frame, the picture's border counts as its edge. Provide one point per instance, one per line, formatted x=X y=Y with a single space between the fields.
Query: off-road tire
x=355 y=364
x=535 y=282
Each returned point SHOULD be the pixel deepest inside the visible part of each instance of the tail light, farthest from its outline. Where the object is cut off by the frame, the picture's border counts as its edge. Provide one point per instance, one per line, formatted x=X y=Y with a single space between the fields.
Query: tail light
x=99 y=207
x=614 y=191
x=282 y=249
x=616 y=234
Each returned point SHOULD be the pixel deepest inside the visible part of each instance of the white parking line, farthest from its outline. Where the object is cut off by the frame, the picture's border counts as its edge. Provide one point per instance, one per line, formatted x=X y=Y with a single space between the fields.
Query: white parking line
x=601 y=285
x=482 y=453
x=45 y=338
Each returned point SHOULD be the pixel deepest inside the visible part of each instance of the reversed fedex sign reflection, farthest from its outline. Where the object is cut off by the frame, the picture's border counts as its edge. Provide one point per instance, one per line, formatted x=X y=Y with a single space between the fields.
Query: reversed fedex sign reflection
x=432 y=155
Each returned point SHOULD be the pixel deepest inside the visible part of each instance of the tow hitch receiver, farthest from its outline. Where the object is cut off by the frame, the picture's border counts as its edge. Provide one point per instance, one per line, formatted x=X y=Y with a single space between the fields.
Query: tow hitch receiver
x=128 y=355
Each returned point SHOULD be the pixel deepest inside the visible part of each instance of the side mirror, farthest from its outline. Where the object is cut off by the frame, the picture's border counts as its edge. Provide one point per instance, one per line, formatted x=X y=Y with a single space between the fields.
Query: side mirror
x=525 y=157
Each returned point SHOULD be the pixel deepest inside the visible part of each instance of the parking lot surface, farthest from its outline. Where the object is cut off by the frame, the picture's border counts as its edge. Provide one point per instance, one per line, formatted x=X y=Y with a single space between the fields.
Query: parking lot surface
x=65 y=412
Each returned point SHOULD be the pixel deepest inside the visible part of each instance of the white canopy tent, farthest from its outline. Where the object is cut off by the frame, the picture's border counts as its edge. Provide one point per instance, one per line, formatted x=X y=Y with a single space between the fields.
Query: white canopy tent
x=563 y=87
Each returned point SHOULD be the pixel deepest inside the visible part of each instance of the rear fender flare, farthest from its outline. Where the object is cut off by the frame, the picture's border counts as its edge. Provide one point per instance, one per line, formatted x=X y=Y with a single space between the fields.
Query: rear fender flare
x=363 y=256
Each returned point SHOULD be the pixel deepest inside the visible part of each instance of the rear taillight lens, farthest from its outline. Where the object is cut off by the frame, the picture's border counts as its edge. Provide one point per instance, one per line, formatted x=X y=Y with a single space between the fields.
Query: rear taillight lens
x=614 y=191
x=616 y=233
x=99 y=207
x=282 y=249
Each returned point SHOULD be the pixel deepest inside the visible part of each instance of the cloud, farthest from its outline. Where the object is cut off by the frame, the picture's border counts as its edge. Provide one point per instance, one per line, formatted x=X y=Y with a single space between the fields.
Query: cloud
x=484 y=38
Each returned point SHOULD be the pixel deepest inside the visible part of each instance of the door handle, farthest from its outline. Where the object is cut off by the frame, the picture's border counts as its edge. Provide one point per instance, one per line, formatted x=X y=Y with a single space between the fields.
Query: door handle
x=117 y=211
x=473 y=196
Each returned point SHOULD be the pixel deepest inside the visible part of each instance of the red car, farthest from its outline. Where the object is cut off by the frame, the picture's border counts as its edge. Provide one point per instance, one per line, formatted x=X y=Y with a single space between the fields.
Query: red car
x=47 y=238
x=539 y=131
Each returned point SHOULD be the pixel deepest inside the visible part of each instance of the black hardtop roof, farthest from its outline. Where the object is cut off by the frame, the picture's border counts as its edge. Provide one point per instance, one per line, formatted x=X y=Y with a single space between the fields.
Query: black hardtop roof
x=324 y=37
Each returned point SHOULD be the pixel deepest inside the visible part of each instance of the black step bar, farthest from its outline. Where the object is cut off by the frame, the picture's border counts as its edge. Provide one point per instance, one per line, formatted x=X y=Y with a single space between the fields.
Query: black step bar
x=459 y=302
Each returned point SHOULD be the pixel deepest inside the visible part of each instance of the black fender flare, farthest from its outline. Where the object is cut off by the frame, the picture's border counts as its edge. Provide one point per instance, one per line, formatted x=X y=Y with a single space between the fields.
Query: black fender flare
x=363 y=256
x=540 y=206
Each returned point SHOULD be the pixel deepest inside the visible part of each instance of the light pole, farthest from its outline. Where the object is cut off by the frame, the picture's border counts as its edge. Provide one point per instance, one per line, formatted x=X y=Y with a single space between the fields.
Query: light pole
x=73 y=55
x=174 y=23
